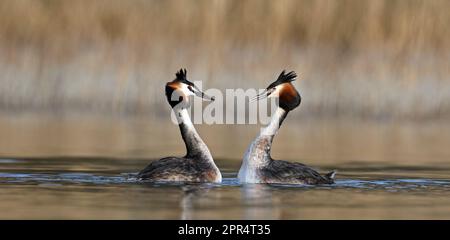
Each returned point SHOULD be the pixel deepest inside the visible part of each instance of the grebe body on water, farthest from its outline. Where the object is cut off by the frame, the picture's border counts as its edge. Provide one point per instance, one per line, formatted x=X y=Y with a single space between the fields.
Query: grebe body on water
x=198 y=164
x=258 y=166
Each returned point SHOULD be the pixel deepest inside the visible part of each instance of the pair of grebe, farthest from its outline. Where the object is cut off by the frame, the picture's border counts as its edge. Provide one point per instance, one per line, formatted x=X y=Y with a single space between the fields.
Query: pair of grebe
x=257 y=166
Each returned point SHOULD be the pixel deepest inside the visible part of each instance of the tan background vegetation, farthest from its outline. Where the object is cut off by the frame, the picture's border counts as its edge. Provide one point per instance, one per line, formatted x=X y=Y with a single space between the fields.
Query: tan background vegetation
x=365 y=59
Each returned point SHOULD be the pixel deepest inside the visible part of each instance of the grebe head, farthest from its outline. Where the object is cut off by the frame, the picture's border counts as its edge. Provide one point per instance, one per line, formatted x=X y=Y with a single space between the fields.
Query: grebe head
x=282 y=88
x=179 y=90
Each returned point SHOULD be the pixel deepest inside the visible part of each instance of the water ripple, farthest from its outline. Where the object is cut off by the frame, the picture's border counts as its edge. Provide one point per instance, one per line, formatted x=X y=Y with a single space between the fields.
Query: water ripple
x=55 y=179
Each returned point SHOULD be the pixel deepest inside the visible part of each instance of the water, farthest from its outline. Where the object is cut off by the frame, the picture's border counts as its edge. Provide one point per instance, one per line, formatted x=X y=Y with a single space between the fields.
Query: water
x=73 y=167
x=103 y=188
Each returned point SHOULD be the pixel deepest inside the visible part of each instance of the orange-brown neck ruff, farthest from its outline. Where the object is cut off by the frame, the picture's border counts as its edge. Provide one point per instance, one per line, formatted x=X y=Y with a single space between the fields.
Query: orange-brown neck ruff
x=289 y=98
x=174 y=84
x=174 y=94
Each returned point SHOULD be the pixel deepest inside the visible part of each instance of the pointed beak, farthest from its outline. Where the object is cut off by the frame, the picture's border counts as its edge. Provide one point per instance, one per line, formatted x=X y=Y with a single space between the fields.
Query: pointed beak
x=203 y=95
x=262 y=95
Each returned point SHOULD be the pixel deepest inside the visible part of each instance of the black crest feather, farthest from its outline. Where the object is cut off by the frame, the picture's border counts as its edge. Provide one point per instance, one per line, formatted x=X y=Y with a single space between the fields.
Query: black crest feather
x=284 y=78
x=289 y=77
x=181 y=75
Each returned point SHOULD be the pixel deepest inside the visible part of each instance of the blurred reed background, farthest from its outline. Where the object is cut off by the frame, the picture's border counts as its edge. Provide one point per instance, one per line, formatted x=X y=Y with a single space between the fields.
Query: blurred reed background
x=383 y=60
x=355 y=58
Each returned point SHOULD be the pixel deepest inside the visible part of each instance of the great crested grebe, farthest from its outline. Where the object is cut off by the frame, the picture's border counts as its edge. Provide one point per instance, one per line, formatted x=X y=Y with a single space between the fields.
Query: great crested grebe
x=258 y=166
x=198 y=164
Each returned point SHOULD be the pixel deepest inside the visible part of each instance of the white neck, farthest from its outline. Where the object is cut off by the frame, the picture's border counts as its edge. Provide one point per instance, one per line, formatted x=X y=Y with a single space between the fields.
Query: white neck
x=183 y=117
x=275 y=123
x=195 y=147
x=258 y=153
